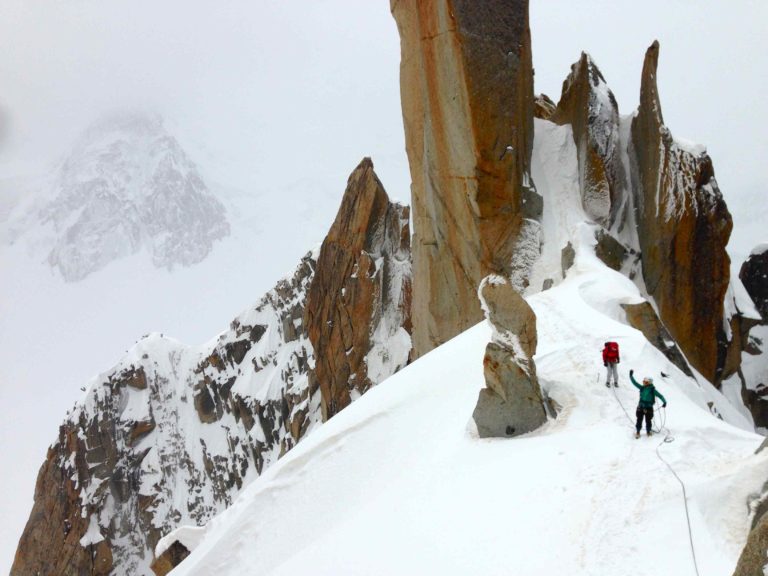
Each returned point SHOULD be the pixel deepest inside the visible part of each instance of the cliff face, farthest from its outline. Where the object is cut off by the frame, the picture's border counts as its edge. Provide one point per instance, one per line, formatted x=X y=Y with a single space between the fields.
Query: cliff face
x=467 y=94
x=589 y=106
x=683 y=227
x=359 y=302
x=171 y=434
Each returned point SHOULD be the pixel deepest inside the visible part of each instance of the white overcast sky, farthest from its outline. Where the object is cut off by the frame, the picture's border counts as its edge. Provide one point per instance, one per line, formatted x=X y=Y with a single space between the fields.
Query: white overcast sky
x=285 y=97
x=264 y=92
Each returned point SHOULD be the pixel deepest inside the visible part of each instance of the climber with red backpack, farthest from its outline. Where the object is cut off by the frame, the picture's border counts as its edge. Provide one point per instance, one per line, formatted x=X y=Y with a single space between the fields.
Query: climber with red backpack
x=610 y=361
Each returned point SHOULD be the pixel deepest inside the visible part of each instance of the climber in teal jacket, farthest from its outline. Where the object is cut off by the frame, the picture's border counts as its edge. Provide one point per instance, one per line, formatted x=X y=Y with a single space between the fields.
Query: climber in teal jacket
x=648 y=394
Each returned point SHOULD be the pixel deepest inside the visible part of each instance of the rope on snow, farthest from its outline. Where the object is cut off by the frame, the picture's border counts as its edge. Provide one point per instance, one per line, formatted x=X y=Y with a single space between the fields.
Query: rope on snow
x=668 y=438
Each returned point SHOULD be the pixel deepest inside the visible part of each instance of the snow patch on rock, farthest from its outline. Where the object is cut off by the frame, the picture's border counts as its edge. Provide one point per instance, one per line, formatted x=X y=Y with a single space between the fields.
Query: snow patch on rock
x=93 y=535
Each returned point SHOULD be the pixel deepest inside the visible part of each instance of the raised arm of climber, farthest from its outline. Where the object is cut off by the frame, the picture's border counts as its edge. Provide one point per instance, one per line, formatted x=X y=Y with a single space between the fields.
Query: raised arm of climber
x=648 y=395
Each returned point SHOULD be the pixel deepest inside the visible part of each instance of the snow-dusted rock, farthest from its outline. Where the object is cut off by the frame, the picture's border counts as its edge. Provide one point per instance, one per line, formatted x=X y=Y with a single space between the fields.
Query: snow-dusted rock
x=173 y=433
x=683 y=226
x=466 y=82
x=360 y=299
x=128 y=186
x=511 y=403
x=589 y=106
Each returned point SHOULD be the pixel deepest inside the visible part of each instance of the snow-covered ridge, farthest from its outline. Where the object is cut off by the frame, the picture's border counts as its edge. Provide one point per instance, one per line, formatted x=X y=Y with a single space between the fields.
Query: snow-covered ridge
x=403 y=469
x=171 y=434
x=127 y=186
x=581 y=488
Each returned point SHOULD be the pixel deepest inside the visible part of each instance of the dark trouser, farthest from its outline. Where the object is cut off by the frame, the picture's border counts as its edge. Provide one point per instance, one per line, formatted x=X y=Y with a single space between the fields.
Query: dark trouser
x=644 y=412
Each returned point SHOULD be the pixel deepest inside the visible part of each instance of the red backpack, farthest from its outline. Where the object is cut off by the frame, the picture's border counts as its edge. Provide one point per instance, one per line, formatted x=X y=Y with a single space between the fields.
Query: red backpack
x=611 y=352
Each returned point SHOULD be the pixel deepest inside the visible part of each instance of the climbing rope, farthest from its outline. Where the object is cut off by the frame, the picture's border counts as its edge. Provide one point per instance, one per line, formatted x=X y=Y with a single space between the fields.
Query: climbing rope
x=616 y=396
x=668 y=438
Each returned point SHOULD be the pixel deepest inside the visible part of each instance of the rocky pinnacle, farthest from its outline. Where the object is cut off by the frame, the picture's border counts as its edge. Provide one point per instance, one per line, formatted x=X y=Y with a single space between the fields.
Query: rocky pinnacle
x=466 y=83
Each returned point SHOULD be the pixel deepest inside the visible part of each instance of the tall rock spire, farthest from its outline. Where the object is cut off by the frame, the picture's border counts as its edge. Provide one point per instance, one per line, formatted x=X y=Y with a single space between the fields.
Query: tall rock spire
x=358 y=305
x=466 y=83
x=683 y=227
x=589 y=106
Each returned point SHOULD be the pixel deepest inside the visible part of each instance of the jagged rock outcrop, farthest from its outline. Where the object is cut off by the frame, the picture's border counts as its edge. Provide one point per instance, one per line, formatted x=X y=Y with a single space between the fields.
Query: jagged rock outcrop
x=128 y=185
x=683 y=227
x=359 y=301
x=589 y=106
x=209 y=420
x=754 y=276
x=170 y=435
x=466 y=82
x=671 y=199
x=511 y=403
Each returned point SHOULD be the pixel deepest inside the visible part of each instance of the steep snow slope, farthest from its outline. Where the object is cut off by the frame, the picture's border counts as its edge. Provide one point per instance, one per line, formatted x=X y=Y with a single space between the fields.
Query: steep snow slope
x=400 y=484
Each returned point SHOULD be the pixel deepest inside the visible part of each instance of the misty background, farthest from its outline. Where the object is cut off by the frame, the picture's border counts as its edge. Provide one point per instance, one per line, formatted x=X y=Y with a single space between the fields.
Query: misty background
x=276 y=103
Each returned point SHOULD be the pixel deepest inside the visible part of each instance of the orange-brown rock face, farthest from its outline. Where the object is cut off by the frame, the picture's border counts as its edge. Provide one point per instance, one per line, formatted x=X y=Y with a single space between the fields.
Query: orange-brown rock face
x=588 y=105
x=51 y=541
x=466 y=84
x=358 y=306
x=683 y=226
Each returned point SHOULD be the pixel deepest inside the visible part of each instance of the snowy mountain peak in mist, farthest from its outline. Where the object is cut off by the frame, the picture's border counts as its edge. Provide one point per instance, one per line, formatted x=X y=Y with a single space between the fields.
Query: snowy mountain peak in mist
x=129 y=186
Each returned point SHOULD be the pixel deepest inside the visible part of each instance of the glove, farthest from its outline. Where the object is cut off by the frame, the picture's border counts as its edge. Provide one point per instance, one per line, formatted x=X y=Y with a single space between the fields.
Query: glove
x=631 y=372
x=618 y=361
x=664 y=405
x=605 y=363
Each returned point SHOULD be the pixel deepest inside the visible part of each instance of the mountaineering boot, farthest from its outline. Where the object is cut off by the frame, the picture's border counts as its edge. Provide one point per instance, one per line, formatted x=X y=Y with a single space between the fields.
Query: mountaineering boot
x=607 y=384
x=615 y=384
x=649 y=433
x=637 y=434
